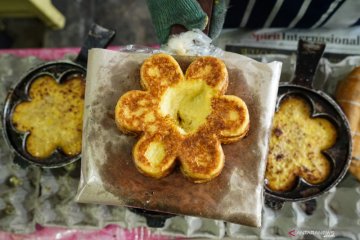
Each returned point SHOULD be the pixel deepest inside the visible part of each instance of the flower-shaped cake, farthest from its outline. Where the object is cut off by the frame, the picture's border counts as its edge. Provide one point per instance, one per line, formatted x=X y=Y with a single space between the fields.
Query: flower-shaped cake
x=296 y=146
x=53 y=116
x=184 y=118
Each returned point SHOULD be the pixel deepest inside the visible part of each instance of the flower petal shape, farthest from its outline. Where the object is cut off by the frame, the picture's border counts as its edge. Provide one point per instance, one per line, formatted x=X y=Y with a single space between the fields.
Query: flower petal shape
x=210 y=70
x=53 y=116
x=230 y=117
x=154 y=155
x=159 y=72
x=296 y=146
x=132 y=111
x=184 y=118
x=202 y=157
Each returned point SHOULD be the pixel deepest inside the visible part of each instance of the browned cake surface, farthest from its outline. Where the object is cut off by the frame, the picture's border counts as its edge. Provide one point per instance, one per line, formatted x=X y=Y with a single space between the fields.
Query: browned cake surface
x=182 y=117
x=348 y=96
x=53 y=116
x=296 y=146
x=234 y=195
x=355 y=168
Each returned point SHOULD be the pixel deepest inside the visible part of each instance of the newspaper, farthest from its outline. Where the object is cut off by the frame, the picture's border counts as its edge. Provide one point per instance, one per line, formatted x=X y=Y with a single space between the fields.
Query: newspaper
x=340 y=43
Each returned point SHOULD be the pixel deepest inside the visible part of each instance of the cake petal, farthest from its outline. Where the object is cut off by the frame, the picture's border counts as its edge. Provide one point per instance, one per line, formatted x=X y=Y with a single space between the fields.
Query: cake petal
x=201 y=157
x=159 y=72
x=154 y=155
x=136 y=111
x=230 y=117
x=211 y=70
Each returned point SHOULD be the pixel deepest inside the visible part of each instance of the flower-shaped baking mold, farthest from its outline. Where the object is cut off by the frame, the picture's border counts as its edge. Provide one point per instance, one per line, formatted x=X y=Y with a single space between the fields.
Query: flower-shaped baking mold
x=184 y=118
x=52 y=116
x=296 y=146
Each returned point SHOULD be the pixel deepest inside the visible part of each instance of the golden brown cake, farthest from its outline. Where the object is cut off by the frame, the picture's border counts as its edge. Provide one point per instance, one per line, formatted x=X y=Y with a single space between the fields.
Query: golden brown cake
x=182 y=117
x=348 y=96
x=53 y=116
x=296 y=146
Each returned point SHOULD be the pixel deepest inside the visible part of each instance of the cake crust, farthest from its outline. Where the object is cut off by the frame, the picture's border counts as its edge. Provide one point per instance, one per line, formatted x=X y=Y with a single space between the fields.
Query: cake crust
x=52 y=117
x=182 y=118
x=296 y=146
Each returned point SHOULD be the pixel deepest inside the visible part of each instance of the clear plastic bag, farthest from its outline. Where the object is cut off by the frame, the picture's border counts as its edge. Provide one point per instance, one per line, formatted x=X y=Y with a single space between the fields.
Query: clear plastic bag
x=108 y=172
x=191 y=43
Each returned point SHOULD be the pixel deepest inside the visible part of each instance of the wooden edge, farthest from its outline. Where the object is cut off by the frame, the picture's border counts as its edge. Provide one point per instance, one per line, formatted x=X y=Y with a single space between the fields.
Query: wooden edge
x=48 y=13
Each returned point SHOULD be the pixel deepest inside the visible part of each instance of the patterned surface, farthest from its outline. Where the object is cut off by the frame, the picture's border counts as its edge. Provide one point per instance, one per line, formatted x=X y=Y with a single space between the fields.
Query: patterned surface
x=336 y=213
x=17 y=204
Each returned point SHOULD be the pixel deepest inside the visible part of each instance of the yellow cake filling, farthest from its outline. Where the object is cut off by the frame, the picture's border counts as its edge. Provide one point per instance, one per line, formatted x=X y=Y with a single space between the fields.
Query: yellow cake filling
x=188 y=103
x=296 y=146
x=53 y=116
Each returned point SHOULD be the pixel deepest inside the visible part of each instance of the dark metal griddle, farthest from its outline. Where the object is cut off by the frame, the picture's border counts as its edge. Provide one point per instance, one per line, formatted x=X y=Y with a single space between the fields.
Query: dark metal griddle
x=61 y=71
x=322 y=105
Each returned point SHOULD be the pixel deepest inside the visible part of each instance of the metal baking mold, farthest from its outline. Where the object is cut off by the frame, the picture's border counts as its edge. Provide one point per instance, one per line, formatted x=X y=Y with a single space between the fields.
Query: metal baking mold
x=322 y=105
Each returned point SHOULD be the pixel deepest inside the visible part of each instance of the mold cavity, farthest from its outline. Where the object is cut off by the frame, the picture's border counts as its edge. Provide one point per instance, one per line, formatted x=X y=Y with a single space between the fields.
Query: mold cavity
x=188 y=104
